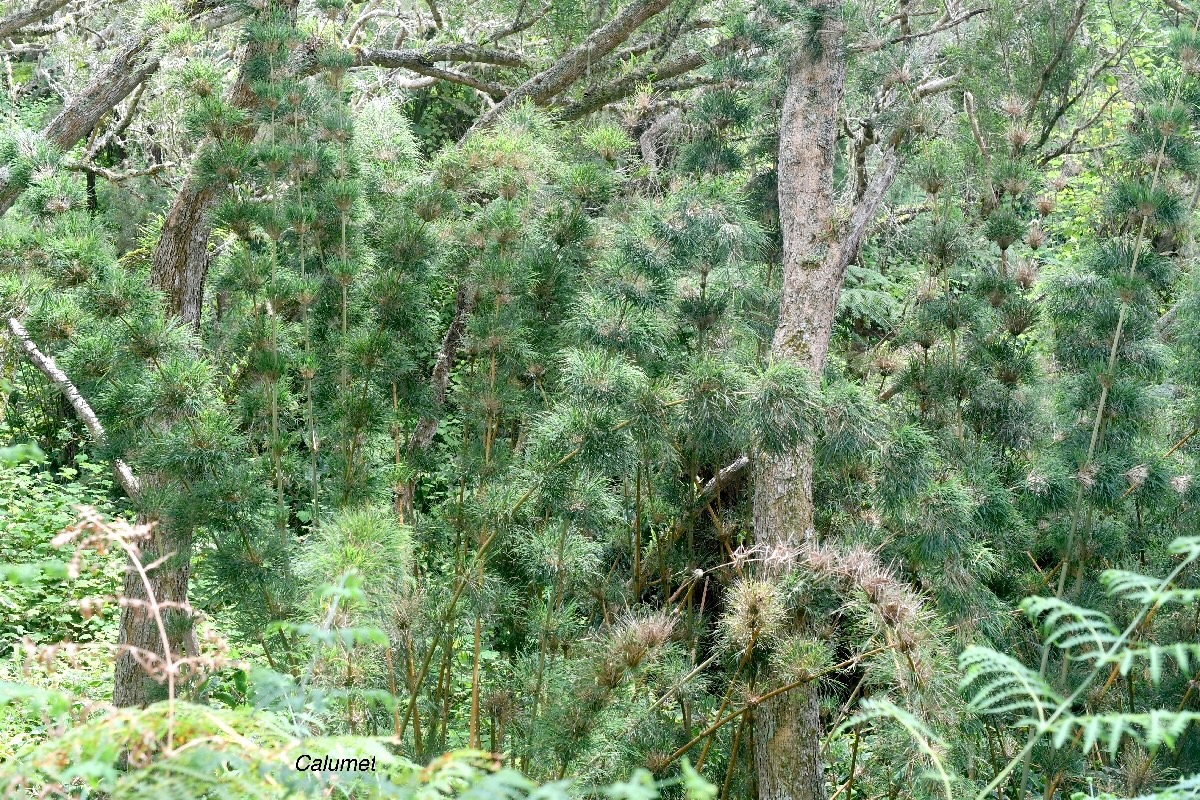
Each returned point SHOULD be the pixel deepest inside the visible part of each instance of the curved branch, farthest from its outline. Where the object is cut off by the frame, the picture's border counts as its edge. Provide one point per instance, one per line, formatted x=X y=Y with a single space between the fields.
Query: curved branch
x=597 y=97
x=944 y=25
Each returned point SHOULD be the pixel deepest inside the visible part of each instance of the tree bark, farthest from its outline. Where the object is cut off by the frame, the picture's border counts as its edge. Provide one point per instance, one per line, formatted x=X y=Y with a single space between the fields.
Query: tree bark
x=170 y=553
x=179 y=266
x=19 y=19
x=817 y=247
x=787 y=728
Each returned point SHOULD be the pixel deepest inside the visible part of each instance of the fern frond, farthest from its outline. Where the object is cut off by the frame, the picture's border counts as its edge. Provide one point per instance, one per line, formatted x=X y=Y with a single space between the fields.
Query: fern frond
x=1068 y=626
x=1151 y=730
x=1186 y=789
x=1184 y=653
x=929 y=743
x=1003 y=684
x=1138 y=588
x=1187 y=546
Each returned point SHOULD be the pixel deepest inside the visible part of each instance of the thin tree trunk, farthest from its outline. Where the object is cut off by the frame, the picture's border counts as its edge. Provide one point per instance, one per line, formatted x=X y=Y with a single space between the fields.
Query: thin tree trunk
x=787 y=728
x=179 y=266
x=816 y=251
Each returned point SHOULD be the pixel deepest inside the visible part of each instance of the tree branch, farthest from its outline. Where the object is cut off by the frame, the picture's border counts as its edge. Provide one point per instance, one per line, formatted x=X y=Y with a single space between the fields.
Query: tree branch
x=864 y=212
x=1059 y=54
x=519 y=25
x=943 y=25
x=410 y=58
x=936 y=86
x=1066 y=146
x=19 y=19
x=567 y=69
x=1090 y=79
x=45 y=365
x=118 y=177
x=598 y=97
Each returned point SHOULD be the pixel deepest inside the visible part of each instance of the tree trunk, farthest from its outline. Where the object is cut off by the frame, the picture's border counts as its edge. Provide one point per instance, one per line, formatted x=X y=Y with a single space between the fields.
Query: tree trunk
x=180 y=263
x=134 y=685
x=132 y=65
x=135 y=62
x=787 y=728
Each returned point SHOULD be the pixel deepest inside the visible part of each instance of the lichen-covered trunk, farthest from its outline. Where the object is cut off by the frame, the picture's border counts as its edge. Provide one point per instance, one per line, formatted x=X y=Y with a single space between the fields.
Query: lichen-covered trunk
x=787 y=728
x=134 y=684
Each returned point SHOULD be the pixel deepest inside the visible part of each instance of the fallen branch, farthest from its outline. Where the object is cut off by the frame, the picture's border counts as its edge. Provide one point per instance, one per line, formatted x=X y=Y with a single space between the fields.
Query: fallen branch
x=17 y=20
x=117 y=177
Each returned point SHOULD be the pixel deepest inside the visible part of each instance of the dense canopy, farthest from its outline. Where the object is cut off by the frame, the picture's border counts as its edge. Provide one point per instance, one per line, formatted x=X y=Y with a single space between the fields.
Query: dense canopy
x=786 y=400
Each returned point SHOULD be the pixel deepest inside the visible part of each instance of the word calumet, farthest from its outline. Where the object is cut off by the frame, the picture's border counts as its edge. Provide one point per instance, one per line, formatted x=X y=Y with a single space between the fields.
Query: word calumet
x=308 y=763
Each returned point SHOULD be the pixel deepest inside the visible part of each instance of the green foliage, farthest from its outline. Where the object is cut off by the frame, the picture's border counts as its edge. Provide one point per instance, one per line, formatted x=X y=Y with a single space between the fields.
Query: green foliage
x=465 y=443
x=242 y=752
x=36 y=599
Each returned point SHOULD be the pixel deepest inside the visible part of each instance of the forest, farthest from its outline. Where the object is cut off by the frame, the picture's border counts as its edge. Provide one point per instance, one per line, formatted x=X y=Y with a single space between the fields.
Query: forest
x=581 y=399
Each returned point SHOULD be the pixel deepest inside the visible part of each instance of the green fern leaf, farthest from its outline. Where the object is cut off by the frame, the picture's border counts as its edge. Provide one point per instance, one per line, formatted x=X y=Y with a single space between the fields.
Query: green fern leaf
x=1003 y=684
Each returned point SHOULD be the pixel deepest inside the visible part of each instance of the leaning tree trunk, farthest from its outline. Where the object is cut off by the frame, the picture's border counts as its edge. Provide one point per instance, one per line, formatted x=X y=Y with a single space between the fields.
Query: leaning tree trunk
x=787 y=728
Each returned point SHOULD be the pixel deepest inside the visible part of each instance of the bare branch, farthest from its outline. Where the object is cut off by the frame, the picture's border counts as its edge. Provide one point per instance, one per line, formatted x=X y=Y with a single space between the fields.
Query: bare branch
x=598 y=97
x=1066 y=146
x=1087 y=83
x=864 y=212
x=936 y=86
x=414 y=59
x=519 y=25
x=437 y=15
x=45 y=365
x=118 y=177
x=977 y=135
x=943 y=25
x=19 y=19
x=1179 y=8
x=121 y=126
x=723 y=478
x=567 y=69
